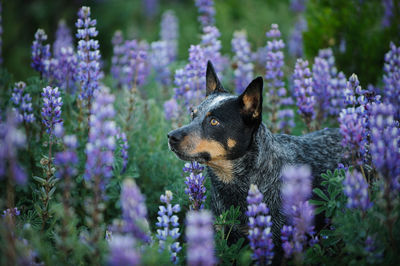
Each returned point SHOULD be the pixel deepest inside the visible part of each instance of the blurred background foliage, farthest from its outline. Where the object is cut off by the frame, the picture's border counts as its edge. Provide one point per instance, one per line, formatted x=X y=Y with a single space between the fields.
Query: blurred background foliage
x=353 y=28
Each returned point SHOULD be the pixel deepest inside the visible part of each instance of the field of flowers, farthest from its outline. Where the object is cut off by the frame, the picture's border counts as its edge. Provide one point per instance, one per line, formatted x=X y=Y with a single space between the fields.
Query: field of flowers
x=86 y=176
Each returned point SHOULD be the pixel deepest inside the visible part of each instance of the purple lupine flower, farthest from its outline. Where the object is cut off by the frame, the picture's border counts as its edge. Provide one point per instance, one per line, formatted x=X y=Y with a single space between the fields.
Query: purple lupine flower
x=242 y=59
x=11 y=212
x=200 y=239
x=286 y=122
x=171 y=109
x=11 y=139
x=356 y=190
x=295 y=193
x=320 y=83
x=51 y=111
x=371 y=249
x=101 y=143
x=67 y=68
x=212 y=47
x=67 y=160
x=388 y=6
x=391 y=78
x=150 y=7
x=22 y=103
x=88 y=54
x=206 y=12
x=160 y=60
x=303 y=90
x=259 y=57
x=134 y=212
x=118 y=53
x=168 y=224
x=296 y=38
x=40 y=52
x=169 y=33
x=298 y=6
x=1 y=33
x=337 y=87
x=385 y=143
x=354 y=93
x=327 y=54
x=63 y=38
x=260 y=234
x=195 y=189
x=121 y=137
x=123 y=251
x=134 y=64
x=287 y=243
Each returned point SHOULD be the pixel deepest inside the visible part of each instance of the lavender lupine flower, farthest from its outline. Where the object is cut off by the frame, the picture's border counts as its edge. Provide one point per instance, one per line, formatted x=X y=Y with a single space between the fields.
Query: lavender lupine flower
x=287 y=243
x=150 y=7
x=51 y=111
x=337 y=86
x=286 y=122
x=171 y=109
x=101 y=143
x=121 y=137
x=135 y=68
x=242 y=59
x=356 y=190
x=11 y=139
x=391 y=78
x=159 y=58
x=67 y=68
x=118 y=53
x=200 y=239
x=211 y=47
x=388 y=6
x=168 y=224
x=327 y=54
x=303 y=91
x=88 y=54
x=298 y=6
x=206 y=12
x=196 y=189
x=11 y=212
x=260 y=234
x=123 y=251
x=1 y=33
x=295 y=193
x=134 y=212
x=63 y=38
x=67 y=160
x=40 y=52
x=320 y=82
x=169 y=33
x=22 y=103
x=385 y=143
x=296 y=38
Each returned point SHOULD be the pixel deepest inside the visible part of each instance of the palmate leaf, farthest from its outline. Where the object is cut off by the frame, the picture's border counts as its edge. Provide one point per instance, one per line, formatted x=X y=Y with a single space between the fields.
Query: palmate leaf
x=320 y=193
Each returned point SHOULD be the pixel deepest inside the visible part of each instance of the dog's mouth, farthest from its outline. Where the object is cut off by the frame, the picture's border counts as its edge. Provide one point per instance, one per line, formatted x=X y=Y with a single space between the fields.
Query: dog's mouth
x=184 y=156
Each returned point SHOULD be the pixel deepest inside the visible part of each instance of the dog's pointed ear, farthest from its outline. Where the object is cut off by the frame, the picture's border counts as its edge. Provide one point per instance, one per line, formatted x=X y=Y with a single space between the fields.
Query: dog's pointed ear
x=251 y=100
x=212 y=82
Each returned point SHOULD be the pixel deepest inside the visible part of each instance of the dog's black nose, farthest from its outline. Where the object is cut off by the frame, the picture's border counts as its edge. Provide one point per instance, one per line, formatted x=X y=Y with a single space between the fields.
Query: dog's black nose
x=175 y=136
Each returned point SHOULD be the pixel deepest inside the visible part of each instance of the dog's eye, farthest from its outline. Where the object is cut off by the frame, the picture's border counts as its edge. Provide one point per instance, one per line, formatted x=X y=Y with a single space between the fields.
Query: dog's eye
x=214 y=122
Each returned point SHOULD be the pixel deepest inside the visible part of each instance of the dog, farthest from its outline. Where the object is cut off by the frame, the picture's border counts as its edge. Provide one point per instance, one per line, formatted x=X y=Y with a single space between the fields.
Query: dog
x=226 y=133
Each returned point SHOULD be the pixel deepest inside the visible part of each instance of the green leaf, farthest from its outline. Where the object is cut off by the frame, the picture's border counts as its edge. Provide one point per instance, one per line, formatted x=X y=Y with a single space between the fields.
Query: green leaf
x=317 y=202
x=40 y=180
x=320 y=194
x=319 y=210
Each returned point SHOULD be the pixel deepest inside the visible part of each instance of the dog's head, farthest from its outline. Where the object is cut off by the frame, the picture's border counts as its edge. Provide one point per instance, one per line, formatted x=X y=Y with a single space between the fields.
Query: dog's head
x=222 y=125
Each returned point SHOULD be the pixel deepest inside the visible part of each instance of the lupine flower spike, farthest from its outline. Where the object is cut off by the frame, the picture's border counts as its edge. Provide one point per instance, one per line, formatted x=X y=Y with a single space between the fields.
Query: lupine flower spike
x=195 y=189
x=22 y=103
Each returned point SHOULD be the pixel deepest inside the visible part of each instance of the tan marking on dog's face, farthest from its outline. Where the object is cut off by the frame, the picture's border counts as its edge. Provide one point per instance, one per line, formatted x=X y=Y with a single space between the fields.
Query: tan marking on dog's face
x=249 y=105
x=208 y=114
x=223 y=169
x=231 y=143
x=212 y=147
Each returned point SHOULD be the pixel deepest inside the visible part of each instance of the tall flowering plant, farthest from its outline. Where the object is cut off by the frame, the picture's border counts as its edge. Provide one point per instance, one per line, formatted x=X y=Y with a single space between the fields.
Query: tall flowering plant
x=195 y=187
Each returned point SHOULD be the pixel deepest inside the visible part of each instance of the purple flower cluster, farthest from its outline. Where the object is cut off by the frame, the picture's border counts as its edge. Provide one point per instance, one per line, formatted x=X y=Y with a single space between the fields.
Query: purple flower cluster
x=40 y=52
x=1 y=33
x=391 y=78
x=356 y=190
x=206 y=12
x=63 y=38
x=67 y=160
x=296 y=38
x=298 y=6
x=388 y=6
x=196 y=189
x=11 y=212
x=150 y=7
x=160 y=60
x=22 y=103
x=123 y=251
x=260 y=234
x=242 y=60
x=134 y=64
x=88 y=54
x=66 y=69
x=200 y=239
x=116 y=60
x=385 y=142
x=134 y=212
x=121 y=137
x=101 y=143
x=171 y=109
x=321 y=77
x=211 y=47
x=169 y=33
x=302 y=89
x=295 y=193
x=168 y=224
x=11 y=139
x=336 y=87
x=51 y=111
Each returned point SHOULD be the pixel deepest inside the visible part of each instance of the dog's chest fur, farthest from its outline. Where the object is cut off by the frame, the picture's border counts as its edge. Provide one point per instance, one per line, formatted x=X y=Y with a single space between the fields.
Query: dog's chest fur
x=262 y=165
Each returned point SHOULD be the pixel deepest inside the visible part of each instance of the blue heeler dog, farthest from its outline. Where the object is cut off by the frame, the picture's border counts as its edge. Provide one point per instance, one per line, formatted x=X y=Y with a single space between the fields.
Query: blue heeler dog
x=227 y=134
